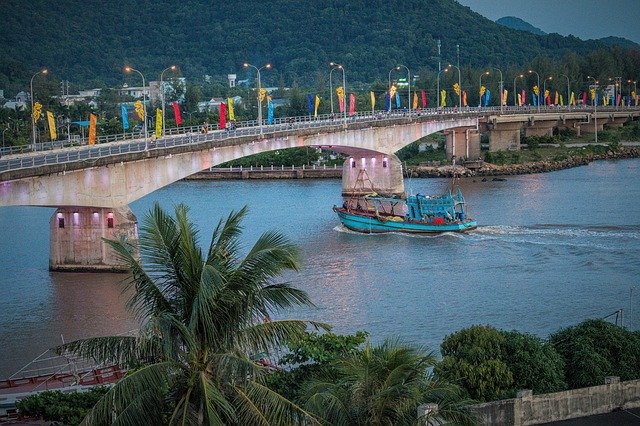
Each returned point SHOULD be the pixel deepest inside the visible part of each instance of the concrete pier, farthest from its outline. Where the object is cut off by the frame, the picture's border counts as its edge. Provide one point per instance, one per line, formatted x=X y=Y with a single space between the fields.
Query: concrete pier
x=77 y=233
x=373 y=172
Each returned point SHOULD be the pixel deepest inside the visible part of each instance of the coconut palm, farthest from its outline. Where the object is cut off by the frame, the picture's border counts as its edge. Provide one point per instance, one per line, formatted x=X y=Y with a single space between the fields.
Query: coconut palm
x=385 y=385
x=202 y=315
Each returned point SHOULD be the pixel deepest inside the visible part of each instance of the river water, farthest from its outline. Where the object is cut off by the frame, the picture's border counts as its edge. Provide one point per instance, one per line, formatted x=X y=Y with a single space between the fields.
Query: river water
x=551 y=250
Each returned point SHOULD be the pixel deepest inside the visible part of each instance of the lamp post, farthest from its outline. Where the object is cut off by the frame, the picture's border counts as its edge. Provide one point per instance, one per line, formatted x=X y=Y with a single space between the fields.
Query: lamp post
x=331 y=86
x=408 y=81
x=33 y=119
x=172 y=68
x=595 y=108
x=515 y=96
x=501 y=90
x=568 y=89
x=544 y=87
x=537 y=96
x=344 y=88
x=459 y=86
x=635 y=90
x=267 y=66
x=480 y=88
x=128 y=69
x=438 y=85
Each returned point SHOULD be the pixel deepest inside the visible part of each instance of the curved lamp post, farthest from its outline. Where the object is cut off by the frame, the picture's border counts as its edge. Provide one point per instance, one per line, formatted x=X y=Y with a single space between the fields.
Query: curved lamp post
x=544 y=88
x=480 y=87
x=172 y=68
x=128 y=69
x=438 y=89
x=267 y=66
x=501 y=89
x=408 y=82
x=568 y=88
x=459 y=86
x=537 y=96
x=33 y=119
x=333 y=68
x=515 y=96
x=344 y=88
x=595 y=108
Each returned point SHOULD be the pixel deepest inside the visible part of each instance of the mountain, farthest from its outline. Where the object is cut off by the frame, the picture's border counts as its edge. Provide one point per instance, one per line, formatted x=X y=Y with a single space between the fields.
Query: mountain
x=620 y=41
x=519 y=24
x=90 y=42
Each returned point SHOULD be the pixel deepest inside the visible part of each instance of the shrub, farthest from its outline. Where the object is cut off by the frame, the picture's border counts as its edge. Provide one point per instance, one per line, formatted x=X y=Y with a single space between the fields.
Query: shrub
x=56 y=406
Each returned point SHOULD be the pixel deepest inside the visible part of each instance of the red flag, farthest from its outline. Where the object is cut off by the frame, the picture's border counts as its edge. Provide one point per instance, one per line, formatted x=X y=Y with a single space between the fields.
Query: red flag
x=352 y=104
x=424 y=99
x=584 y=98
x=176 y=113
x=464 y=98
x=524 y=97
x=223 y=115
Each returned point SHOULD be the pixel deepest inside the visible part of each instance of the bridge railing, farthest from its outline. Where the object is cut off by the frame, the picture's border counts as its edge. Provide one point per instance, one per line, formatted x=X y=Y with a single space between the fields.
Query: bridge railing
x=193 y=135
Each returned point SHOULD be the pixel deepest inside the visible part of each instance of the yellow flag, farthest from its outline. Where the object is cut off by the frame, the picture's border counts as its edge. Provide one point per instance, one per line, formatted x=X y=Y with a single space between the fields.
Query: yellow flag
x=592 y=92
x=139 y=109
x=158 y=123
x=415 y=100
x=456 y=88
x=572 y=100
x=482 y=90
x=262 y=94
x=561 y=100
x=392 y=93
x=92 y=129
x=340 y=93
x=519 y=99
x=37 y=110
x=315 y=113
x=505 y=96
x=373 y=101
x=443 y=98
x=52 y=126
x=556 y=98
x=232 y=115
x=536 y=90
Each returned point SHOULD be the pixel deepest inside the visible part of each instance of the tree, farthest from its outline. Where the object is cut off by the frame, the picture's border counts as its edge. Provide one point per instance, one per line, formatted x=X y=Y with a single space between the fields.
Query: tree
x=202 y=315
x=595 y=349
x=383 y=385
x=191 y=98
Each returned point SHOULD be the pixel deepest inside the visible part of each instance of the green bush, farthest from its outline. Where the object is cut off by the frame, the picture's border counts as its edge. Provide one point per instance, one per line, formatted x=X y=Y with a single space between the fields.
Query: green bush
x=56 y=406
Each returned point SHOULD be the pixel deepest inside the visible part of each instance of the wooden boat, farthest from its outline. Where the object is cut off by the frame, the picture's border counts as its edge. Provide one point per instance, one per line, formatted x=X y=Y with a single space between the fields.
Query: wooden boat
x=418 y=214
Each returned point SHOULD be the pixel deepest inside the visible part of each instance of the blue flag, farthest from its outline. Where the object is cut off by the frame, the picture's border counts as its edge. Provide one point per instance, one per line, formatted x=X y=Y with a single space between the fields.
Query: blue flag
x=534 y=98
x=596 y=98
x=270 y=112
x=387 y=104
x=125 y=117
x=487 y=97
x=310 y=103
x=397 y=100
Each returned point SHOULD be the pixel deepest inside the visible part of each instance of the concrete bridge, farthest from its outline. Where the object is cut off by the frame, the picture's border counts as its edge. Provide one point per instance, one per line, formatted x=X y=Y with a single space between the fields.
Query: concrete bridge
x=92 y=185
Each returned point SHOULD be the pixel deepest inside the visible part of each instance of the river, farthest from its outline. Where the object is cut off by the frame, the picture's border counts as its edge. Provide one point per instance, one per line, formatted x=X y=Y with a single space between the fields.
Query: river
x=551 y=250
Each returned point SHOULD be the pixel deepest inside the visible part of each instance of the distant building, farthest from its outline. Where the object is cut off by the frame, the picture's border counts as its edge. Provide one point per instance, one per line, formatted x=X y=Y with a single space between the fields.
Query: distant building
x=20 y=102
x=232 y=80
x=214 y=104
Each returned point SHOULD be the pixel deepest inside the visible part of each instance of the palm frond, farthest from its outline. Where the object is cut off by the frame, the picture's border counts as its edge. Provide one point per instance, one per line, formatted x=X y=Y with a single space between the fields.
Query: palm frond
x=216 y=406
x=279 y=296
x=120 y=350
x=224 y=241
x=265 y=336
x=204 y=307
x=271 y=255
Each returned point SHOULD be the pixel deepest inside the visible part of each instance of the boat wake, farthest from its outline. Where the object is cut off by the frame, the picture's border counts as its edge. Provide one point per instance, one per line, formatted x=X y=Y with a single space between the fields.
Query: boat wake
x=342 y=228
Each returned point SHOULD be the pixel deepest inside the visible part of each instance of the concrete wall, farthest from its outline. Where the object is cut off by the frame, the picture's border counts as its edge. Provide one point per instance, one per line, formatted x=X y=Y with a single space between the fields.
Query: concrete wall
x=378 y=173
x=529 y=409
x=463 y=143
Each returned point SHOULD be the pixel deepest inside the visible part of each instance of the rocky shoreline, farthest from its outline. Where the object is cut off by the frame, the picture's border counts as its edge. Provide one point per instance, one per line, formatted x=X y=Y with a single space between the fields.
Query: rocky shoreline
x=488 y=169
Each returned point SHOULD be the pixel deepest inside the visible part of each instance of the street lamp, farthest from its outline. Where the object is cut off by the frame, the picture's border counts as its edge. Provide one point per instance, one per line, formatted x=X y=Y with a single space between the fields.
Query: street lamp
x=480 y=87
x=595 y=108
x=537 y=96
x=128 y=69
x=515 y=96
x=408 y=81
x=333 y=68
x=267 y=66
x=568 y=89
x=33 y=119
x=501 y=90
x=544 y=87
x=459 y=87
x=438 y=86
x=172 y=68
x=635 y=90
x=344 y=88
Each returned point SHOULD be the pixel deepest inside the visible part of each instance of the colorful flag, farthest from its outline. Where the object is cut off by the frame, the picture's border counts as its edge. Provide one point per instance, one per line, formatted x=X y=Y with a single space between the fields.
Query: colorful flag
x=519 y=99
x=139 y=109
x=373 y=101
x=464 y=98
x=340 y=94
x=523 y=99
x=261 y=94
x=561 y=100
x=223 y=116
x=505 y=95
x=534 y=98
x=572 y=99
x=584 y=98
x=352 y=104
x=269 y=110
x=456 y=88
x=52 y=126
x=387 y=104
x=158 y=123
x=618 y=100
x=443 y=98
x=487 y=97
x=176 y=113
x=37 y=111
x=397 y=100
x=125 y=117
x=424 y=99
x=92 y=129
x=315 y=111
x=415 y=100
x=547 y=98
x=482 y=92
x=232 y=115
x=556 y=98
x=392 y=91
x=310 y=103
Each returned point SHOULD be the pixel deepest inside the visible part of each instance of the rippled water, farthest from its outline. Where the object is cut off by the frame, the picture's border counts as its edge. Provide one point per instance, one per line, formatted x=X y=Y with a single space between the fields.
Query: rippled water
x=551 y=250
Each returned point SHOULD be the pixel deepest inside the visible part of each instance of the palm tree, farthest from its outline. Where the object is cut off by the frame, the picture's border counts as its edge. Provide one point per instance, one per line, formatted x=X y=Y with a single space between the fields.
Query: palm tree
x=201 y=316
x=385 y=385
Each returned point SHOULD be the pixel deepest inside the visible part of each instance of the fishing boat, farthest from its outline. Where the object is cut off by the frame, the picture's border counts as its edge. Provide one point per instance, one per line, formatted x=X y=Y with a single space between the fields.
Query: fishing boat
x=417 y=214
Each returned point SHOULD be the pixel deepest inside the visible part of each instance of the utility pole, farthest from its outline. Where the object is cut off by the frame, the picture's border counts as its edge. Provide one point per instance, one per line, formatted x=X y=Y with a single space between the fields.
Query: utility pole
x=439 y=57
x=458 y=54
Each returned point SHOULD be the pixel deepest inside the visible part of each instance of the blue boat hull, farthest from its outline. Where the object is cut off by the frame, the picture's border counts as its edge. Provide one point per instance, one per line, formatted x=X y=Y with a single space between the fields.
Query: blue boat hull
x=372 y=224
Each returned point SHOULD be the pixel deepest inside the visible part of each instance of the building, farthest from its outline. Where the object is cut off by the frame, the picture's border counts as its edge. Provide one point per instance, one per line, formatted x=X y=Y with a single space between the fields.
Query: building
x=21 y=101
x=214 y=103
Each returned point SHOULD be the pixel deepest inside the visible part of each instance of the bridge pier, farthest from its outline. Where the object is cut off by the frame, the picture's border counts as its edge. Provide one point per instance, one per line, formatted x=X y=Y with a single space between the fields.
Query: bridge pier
x=540 y=128
x=505 y=136
x=76 y=243
x=463 y=143
x=372 y=172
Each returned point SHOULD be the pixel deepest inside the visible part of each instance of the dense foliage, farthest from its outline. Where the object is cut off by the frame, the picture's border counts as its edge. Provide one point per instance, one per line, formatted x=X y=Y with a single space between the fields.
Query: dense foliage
x=55 y=406
x=595 y=349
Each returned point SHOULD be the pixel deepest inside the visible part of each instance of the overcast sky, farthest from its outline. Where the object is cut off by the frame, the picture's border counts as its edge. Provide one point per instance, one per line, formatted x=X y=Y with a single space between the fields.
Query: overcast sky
x=582 y=18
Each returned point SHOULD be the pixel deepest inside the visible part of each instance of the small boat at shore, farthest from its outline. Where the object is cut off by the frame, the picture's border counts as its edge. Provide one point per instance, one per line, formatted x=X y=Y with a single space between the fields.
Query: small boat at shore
x=417 y=214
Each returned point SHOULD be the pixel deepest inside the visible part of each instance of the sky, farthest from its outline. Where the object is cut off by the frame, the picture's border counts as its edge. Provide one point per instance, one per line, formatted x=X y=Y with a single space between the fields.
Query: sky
x=585 y=19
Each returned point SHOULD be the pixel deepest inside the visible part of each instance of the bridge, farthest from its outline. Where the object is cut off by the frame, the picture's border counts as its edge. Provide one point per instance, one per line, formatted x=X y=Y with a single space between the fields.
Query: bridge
x=92 y=186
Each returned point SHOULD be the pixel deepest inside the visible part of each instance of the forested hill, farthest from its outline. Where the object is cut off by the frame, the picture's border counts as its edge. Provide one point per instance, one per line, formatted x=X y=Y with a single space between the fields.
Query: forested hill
x=519 y=24
x=90 y=41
